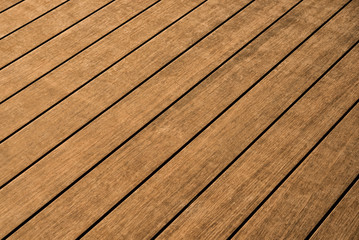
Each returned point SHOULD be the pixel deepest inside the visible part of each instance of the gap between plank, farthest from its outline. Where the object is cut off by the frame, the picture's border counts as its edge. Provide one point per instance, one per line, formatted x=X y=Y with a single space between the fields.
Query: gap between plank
x=145 y=126
x=81 y=86
x=128 y=139
x=33 y=20
x=11 y=6
x=261 y=134
x=189 y=141
x=291 y=171
x=57 y=34
x=121 y=98
x=332 y=208
x=68 y=59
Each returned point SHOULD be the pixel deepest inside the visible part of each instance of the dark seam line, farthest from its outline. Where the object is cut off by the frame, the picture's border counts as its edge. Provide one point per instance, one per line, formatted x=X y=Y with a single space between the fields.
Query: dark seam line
x=332 y=207
x=293 y=169
x=57 y=34
x=11 y=6
x=233 y=161
x=118 y=100
x=188 y=142
x=129 y=138
x=78 y=88
x=1 y=38
x=290 y=172
x=54 y=68
x=103 y=111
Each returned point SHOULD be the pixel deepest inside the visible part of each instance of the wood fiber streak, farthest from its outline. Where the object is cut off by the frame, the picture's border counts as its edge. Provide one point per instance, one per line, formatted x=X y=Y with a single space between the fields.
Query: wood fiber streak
x=177 y=119
x=37 y=63
x=23 y=13
x=189 y=123
x=160 y=140
x=296 y=207
x=224 y=205
x=58 y=169
x=82 y=106
x=144 y=212
x=343 y=222
x=25 y=39
x=61 y=82
x=4 y=5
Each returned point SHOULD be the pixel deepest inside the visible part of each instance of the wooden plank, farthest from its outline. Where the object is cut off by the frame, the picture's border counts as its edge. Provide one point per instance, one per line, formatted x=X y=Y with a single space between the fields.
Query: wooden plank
x=24 y=40
x=296 y=207
x=343 y=222
x=227 y=203
x=147 y=60
x=6 y=5
x=25 y=12
x=58 y=52
x=103 y=135
x=150 y=207
x=53 y=87
x=16 y=153
x=159 y=141
x=161 y=197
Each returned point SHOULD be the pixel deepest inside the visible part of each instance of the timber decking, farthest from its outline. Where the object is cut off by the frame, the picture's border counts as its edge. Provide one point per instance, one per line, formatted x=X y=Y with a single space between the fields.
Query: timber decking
x=176 y=119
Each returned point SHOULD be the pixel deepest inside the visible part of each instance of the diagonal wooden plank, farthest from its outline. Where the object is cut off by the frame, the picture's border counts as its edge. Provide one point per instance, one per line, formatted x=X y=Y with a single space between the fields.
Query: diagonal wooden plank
x=6 y=5
x=25 y=12
x=121 y=124
x=83 y=37
x=86 y=67
x=295 y=208
x=159 y=141
x=343 y=222
x=31 y=36
x=232 y=198
x=102 y=96
x=122 y=78
x=178 y=182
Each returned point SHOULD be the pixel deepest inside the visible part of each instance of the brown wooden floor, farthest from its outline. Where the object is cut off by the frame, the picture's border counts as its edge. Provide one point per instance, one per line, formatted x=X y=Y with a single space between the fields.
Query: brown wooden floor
x=178 y=119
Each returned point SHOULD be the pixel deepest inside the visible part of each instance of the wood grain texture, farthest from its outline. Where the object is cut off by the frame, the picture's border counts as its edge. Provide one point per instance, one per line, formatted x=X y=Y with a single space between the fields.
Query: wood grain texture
x=343 y=222
x=61 y=82
x=59 y=169
x=37 y=63
x=106 y=89
x=296 y=207
x=6 y=5
x=23 y=13
x=176 y=128
x=181 y=120
x=224 y=205
x=162 y=196
x=35 y=33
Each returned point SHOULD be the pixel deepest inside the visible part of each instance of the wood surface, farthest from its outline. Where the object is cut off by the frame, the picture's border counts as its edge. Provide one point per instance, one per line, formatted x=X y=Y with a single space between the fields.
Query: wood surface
x=162 y=196
x=171 y=119
x=25 y=12
x=343 y=222
x=37 y=63
x=36 y=33
x=8 y=4
x=64 y=119
x=305 y=197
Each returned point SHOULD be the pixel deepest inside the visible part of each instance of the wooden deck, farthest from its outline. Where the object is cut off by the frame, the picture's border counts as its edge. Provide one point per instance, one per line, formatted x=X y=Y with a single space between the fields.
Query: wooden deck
x=178 y=119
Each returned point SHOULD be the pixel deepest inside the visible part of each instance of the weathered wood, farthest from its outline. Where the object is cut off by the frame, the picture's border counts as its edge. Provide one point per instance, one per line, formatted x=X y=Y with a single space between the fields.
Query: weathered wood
x=343 y=222
x=296 y=207
x=59 y=168
x=123 y=158
x=60 y=49
x=161 y=197
x=228 y=202
x=25 y=12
